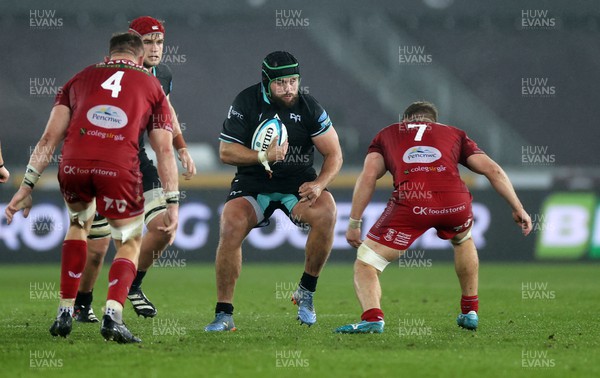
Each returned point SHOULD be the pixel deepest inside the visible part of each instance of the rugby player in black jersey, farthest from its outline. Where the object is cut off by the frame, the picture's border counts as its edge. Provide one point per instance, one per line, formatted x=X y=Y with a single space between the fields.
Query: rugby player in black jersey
x=293 y=187
x=154 y=241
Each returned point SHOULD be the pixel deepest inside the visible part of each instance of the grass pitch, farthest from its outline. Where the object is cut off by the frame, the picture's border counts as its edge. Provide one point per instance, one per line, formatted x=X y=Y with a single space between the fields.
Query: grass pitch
x=535 y=320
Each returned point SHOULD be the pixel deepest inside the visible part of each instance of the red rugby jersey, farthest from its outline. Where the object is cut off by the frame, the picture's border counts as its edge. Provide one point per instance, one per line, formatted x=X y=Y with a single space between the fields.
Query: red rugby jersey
x=424 y=156
x=111 y=104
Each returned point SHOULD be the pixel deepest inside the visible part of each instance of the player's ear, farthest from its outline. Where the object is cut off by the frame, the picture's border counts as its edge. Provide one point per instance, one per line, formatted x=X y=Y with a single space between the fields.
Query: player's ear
x=140 y=60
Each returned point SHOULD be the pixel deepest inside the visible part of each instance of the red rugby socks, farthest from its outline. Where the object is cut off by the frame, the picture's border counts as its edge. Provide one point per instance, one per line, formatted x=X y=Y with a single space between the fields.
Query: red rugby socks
x=469 y=303
x=74 y=253
x=120 y=276
x=372 y=315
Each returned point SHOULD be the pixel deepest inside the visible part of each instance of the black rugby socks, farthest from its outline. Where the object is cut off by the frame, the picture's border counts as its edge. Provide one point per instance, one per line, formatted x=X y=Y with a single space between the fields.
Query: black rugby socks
x=224 y=307
x=309 y=282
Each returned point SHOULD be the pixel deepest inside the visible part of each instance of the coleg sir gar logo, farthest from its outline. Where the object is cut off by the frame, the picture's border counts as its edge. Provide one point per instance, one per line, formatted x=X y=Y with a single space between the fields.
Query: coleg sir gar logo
x=421 y=154
x=107 y=117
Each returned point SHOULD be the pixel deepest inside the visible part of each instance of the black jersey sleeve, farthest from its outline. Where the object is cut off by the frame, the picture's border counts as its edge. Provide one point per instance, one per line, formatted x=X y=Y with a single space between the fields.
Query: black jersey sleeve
x=321 y=122
x=236 y=127
x=165 y=76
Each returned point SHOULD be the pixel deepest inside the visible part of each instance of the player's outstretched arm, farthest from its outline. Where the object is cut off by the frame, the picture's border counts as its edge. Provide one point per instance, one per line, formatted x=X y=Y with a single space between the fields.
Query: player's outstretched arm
x=373 y=170
x=161 y=141
x=484 y=165
x=39 y=160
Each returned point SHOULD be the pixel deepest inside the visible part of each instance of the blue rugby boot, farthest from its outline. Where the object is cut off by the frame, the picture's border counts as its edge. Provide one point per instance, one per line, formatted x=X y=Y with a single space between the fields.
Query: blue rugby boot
x=223 y=322
x=306 y=311
x=362 y=327
x=468 y=321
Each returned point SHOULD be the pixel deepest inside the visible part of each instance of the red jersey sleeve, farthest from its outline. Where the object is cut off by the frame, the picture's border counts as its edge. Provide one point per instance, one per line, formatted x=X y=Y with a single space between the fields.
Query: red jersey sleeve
x=376 y=145
x=63 y=97
x=468 y=148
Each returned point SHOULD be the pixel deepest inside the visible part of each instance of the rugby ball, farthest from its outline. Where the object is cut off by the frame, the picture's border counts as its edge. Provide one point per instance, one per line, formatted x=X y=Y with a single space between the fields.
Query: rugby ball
x=266 y=132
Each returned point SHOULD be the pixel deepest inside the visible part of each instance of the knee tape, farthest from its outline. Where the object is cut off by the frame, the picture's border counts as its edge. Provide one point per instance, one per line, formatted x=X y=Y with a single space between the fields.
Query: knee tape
x=370 y=257
x=100 y=229
x=467 y=237
x=128 y=231
x=154 y=204
x=82 y=216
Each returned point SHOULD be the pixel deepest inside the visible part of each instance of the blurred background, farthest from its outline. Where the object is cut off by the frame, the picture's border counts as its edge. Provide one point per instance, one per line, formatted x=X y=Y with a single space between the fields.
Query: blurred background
x=517 y=76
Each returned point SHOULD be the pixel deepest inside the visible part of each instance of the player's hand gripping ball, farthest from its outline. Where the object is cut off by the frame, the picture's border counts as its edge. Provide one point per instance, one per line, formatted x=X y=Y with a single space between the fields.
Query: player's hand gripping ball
x=266 y=132
x=264 y=135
